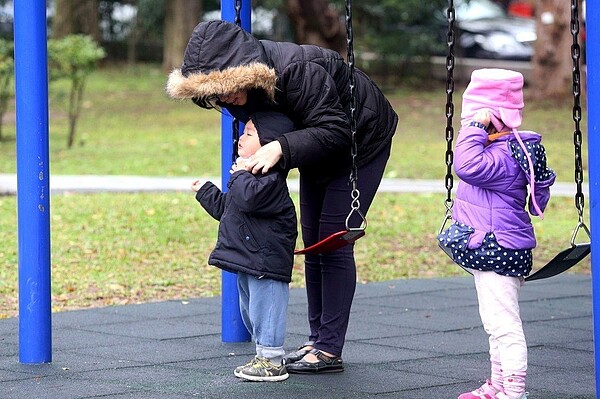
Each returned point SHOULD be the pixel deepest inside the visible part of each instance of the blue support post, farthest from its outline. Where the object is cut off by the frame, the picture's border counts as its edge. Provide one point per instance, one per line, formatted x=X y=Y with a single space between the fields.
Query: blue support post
x=593 y=112
x=33 y=176
x=232 y=326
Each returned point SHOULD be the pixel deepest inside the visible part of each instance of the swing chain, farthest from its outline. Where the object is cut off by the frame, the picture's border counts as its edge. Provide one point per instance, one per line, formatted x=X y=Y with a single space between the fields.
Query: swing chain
x=577 y=136
x=451 y=15
x=355 y=194
x=238 y=12
x=350 y=46
x=235 y=130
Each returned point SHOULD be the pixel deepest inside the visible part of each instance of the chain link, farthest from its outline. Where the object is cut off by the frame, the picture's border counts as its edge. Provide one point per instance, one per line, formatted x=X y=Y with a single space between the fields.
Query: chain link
x=235 y=125
x=449 y=180
x=355 y=194
x=352 y=81
x=577 y=137
x=238 y=12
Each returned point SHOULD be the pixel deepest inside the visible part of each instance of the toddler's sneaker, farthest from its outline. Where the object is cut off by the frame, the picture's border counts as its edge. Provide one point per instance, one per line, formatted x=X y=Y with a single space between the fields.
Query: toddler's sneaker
x=486 y=391
x=238 y=369
x=264 y=369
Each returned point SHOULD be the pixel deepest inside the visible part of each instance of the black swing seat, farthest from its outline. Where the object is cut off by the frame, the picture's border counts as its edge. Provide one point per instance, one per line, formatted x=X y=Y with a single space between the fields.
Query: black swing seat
x=562 y=262
x=446 y=250
x=333 y=242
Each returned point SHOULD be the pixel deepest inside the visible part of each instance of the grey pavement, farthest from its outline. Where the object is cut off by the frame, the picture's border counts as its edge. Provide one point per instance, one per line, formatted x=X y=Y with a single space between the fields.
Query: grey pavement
x=408 y=339
x=98 y=183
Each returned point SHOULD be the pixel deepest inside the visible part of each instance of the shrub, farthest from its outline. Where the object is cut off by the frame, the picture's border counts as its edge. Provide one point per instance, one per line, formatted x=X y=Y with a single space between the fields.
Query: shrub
x=73 y=57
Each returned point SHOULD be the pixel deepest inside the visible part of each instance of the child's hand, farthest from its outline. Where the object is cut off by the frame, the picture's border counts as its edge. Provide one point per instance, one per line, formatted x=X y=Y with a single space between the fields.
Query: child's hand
x=196 y=185
x=482 y=116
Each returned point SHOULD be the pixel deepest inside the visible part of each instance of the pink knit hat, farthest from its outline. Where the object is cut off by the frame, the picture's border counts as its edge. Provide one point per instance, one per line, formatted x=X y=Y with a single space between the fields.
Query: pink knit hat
x=500 y=91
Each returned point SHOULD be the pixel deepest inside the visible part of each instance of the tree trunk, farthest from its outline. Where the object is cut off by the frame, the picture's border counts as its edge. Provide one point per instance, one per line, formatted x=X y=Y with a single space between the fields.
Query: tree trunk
x=132 y=41
x=180 y=19
x=552 y=62
x=316 y=22
x=76 y=16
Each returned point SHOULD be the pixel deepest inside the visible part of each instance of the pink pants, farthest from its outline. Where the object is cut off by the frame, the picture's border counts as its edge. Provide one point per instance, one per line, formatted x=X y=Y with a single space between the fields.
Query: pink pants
x=499 y=310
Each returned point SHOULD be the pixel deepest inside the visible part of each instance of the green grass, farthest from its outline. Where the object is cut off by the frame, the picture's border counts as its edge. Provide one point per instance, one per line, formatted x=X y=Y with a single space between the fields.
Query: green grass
x=127 y=248
x=112 y=249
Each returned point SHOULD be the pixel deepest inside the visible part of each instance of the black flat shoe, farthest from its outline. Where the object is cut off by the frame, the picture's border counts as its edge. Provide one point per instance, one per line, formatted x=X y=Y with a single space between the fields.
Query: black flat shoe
x=295 y=356
x=326 y=364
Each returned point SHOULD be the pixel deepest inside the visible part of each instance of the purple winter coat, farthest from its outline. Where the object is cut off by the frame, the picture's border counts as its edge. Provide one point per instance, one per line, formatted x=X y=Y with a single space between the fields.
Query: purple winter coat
x=492 y=194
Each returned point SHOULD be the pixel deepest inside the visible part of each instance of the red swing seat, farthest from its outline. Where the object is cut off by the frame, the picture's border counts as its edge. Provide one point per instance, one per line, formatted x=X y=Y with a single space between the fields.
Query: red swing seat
x=333 y=242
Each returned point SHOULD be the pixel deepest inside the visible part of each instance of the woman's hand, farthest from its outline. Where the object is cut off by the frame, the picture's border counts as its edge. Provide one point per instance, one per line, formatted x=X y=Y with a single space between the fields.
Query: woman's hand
x=265 y=158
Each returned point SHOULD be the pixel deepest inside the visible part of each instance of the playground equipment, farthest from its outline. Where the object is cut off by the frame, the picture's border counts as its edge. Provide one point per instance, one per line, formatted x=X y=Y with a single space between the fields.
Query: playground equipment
x=232 y=325
x=33 y=182
x=33 y=186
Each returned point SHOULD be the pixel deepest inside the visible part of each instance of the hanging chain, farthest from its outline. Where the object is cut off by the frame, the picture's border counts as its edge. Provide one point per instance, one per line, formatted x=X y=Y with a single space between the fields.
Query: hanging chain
x=577 y=136
x=238 y=12
x=355 y=194
x=235 y=125
x=451 y=15
x=577 y=139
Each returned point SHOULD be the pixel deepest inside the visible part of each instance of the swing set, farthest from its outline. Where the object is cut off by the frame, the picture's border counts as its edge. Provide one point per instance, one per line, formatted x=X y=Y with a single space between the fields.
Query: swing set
x=563 y=261
x=576 y=252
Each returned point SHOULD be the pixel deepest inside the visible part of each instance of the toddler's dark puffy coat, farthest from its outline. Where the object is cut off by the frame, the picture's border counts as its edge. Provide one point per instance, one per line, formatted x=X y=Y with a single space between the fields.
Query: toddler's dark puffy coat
x=258 y=228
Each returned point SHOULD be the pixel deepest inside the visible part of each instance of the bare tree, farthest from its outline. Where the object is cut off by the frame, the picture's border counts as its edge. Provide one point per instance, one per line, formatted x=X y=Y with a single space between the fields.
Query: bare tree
x=317 y=22
x=180 y=18
x=552 y=63
x=76 y=16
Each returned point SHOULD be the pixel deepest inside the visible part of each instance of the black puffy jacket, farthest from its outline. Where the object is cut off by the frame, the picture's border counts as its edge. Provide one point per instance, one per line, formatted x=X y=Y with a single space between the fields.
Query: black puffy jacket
x=258 y=224
x=308 y=83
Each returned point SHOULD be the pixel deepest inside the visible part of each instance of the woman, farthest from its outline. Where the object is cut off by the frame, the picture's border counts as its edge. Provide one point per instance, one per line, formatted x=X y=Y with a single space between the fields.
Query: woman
x=225 y=66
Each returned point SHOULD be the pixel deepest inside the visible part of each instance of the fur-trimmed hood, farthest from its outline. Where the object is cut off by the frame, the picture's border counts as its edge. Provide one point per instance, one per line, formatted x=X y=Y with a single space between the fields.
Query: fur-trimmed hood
x=211 y=68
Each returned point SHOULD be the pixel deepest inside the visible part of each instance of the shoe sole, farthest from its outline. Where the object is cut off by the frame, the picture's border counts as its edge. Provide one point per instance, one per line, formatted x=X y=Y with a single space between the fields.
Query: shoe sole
x=316 y=371
x=256 y=378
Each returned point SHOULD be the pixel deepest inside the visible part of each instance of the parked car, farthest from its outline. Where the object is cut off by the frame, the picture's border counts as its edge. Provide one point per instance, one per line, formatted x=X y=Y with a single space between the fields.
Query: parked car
x=485 y=30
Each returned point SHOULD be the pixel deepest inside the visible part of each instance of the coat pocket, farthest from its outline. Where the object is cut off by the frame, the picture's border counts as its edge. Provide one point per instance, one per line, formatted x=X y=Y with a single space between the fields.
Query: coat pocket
x=248 y=239
x=456 y=237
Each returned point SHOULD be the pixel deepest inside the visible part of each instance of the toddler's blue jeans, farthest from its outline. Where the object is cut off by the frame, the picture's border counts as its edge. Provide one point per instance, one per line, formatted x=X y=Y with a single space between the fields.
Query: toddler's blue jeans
x=263 y=305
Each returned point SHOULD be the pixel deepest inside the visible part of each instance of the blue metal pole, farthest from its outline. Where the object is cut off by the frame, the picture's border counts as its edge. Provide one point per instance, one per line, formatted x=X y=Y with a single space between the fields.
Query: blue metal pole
x=232 y=326
x=593 y=102
x=33 y=175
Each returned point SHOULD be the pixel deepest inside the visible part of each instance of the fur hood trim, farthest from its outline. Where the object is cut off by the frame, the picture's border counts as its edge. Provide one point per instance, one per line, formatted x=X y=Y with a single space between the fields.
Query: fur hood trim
x=230 y=80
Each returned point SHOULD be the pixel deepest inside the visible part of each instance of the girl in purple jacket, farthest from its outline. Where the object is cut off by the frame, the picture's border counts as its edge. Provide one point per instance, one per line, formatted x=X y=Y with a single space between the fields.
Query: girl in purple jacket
x=492 y=235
